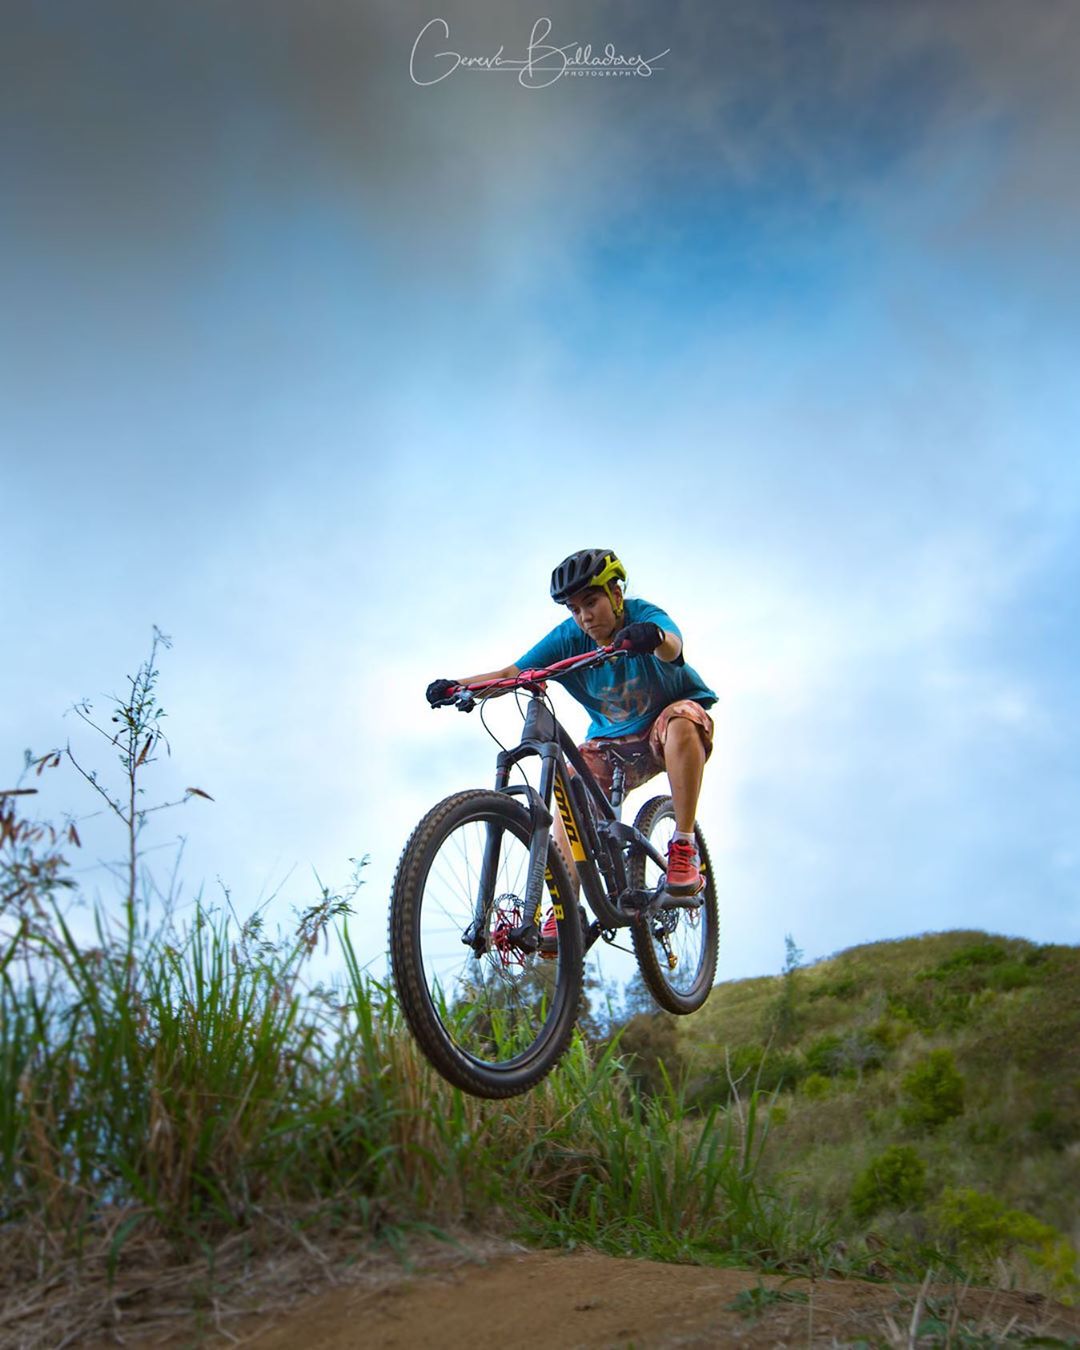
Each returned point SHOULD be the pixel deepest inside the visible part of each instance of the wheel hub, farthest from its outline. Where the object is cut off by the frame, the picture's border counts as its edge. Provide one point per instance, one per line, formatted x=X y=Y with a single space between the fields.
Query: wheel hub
x=507 y=915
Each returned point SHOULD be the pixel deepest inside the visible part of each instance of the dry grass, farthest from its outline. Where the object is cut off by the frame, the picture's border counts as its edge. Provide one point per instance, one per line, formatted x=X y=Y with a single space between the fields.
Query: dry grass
x=264 y=1272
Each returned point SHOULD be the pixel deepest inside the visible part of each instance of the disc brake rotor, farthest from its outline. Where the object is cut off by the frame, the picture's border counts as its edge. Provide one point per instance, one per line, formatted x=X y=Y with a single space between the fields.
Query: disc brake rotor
x=507 y=913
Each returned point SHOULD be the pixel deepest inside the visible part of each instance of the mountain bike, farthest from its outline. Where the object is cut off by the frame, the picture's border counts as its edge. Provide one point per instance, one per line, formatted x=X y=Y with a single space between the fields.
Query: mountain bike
x=491 y=998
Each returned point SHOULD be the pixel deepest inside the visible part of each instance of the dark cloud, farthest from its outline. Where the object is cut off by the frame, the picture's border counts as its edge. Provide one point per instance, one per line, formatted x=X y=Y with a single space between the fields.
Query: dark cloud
x=134 y=125
x=139 y=125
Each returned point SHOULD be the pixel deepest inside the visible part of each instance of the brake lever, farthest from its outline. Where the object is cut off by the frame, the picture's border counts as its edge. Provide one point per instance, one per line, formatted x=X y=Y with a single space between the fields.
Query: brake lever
x=461 y=699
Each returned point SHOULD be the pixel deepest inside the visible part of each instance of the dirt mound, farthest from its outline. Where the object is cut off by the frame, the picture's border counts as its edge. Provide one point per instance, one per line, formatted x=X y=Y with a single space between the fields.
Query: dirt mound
x=540 y=1299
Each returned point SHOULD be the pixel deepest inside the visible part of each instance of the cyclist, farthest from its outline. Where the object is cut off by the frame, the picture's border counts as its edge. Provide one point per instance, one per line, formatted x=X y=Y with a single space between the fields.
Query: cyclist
x=649 y=708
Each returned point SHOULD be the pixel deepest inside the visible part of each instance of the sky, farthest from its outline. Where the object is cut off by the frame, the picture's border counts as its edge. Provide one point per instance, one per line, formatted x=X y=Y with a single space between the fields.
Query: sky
x=319 y=350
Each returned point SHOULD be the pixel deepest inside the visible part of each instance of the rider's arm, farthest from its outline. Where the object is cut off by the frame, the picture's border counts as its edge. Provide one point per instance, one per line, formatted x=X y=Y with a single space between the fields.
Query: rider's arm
x=671 y=647
x=507 y=673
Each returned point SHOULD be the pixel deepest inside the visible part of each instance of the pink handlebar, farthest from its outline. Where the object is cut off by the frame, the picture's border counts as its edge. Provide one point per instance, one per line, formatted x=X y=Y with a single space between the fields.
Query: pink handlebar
x=538 y=676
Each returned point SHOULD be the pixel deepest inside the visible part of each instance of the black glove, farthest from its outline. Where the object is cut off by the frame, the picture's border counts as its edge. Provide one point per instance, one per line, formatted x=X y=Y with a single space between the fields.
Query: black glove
x=438 y=691
x=639 y=638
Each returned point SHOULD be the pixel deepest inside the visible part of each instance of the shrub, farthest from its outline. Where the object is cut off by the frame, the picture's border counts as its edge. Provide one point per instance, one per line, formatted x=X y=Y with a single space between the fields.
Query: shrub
x=861 y=1050
x=933 y=1091
x=815 y=1086
x=823 y=1055
x=1053 y=1130
x=845 y=988
x=649 y=1047
x=889 y=1032
x=933 y=1007
x=830 y=1055
x=984 y=965
x=930 y=1007
x=749 y=1067
x=1011 y=975
x=982 y=1230
x=978 y=954
x=988 y=1133
x=895 y=1179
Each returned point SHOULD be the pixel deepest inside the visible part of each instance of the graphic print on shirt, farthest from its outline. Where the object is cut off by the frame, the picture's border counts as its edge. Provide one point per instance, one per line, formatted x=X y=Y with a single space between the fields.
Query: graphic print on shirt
x=622 y=702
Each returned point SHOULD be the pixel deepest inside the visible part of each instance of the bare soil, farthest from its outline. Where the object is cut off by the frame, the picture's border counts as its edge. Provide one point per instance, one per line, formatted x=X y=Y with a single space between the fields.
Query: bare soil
x=485 y=1293
x=537 y=1300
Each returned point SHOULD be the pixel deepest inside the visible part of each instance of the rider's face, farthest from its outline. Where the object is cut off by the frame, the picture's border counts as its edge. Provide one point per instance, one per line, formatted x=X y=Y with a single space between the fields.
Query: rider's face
x=594 y=614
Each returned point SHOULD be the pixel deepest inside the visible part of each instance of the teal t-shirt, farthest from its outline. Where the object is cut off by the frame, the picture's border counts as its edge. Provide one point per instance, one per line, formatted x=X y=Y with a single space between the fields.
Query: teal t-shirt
x=626 y=696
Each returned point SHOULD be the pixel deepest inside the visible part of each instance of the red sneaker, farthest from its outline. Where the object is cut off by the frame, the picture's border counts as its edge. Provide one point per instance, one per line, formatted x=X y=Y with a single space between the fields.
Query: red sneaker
x=683 y=871
x=549 y=937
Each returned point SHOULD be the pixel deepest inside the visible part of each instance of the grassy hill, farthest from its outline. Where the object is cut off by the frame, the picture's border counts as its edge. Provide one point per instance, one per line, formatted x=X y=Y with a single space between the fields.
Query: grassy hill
x=923 y=1085
x=177 y=1095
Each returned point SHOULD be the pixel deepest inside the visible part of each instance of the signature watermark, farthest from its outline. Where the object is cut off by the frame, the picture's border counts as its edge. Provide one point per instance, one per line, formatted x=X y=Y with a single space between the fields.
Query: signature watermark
x=542 y=64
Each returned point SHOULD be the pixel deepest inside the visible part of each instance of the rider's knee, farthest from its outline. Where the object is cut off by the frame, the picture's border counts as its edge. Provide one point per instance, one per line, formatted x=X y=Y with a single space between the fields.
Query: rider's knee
x=682 y=731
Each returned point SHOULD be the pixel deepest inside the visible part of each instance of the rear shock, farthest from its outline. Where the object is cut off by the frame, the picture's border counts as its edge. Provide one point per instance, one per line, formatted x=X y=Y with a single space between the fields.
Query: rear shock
x=600 y=852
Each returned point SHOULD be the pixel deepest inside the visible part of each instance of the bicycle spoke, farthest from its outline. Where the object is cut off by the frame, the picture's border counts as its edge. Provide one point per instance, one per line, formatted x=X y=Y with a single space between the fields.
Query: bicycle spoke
x=675 y=947
x=494 y=1004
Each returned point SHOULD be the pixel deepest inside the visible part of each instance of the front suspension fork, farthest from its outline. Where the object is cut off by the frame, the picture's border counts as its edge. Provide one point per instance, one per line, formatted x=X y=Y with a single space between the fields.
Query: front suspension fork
x=527 y=935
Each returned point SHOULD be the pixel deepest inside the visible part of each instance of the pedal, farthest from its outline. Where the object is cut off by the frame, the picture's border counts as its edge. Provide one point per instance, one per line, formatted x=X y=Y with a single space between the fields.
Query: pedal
x=638 y=902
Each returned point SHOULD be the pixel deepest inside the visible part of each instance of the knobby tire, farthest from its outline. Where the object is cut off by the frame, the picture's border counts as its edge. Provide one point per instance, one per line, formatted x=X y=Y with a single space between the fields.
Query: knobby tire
x=696 y=932
x=475 y=1060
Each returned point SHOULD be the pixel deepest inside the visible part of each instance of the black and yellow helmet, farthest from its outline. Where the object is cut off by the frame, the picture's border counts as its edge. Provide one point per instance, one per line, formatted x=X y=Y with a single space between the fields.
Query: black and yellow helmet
x=587 y=567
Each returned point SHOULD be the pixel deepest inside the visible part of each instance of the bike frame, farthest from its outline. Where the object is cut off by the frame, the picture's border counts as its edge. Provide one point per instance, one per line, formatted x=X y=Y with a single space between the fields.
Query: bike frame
x=599 y=839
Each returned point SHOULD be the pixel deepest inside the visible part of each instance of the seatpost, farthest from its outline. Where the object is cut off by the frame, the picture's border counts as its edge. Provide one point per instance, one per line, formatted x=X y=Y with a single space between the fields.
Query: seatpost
x=618 y=783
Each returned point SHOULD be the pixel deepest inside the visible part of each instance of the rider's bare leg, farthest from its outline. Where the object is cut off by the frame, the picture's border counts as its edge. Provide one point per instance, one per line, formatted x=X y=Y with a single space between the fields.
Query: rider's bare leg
x=684 y=759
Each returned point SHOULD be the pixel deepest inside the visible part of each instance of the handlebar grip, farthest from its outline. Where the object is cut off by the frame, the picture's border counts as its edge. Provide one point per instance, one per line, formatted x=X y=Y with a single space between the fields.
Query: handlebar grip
x=441 y=692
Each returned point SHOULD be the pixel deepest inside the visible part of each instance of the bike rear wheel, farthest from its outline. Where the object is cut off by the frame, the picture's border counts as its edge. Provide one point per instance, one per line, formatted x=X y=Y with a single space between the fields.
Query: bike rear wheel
x=493 y=1017
x=675 y=949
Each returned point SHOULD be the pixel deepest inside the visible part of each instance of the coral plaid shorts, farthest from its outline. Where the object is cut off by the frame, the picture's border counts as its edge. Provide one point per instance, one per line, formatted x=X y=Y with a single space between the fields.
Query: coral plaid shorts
x=644 y=752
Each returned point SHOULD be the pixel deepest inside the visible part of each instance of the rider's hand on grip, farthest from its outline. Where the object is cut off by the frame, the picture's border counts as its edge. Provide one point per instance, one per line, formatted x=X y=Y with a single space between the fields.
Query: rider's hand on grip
x=438 y=691
x=639 y=638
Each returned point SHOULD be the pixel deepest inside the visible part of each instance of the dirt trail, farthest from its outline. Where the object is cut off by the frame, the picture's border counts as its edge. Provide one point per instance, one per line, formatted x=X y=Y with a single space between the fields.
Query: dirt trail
x=543 y=1299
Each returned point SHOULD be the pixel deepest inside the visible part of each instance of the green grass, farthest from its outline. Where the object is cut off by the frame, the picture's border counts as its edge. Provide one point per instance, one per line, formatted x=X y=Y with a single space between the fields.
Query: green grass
x=958 y=1048
x=181 y=1083
x=181 y=1086
x=755 y=1302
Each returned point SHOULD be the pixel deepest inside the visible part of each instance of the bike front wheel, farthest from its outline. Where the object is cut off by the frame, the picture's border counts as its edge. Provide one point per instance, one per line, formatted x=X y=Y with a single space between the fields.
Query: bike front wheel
x=492 y=1014
x=675 y=948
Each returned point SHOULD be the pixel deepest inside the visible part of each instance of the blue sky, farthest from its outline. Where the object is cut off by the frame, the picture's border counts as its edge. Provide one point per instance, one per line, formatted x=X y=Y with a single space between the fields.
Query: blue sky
x=322 y=371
